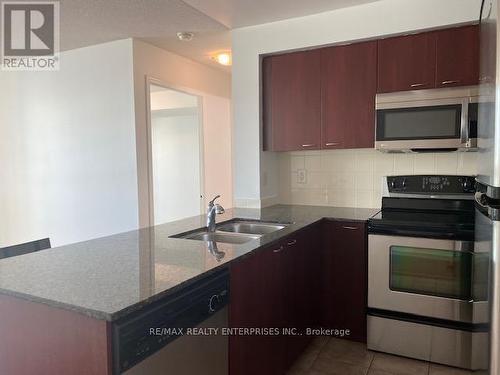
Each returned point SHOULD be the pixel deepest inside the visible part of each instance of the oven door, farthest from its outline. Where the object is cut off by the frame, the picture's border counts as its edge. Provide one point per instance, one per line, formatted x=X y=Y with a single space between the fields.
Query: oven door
x=433 y=278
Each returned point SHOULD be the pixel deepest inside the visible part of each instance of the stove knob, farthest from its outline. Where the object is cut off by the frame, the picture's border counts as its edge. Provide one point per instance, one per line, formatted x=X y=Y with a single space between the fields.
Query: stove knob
x=404 y=183
x=468 y=185
x=214 y=303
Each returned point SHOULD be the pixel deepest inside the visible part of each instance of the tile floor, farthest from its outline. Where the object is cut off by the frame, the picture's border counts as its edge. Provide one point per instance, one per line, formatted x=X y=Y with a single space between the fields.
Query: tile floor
x=330 y=356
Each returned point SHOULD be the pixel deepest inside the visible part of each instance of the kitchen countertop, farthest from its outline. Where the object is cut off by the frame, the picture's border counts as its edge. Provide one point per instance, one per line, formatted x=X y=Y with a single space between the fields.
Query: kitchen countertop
x=109 y=277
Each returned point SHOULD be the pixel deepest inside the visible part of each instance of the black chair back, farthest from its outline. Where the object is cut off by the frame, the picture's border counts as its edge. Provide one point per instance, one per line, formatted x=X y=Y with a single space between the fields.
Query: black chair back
x=24 y=248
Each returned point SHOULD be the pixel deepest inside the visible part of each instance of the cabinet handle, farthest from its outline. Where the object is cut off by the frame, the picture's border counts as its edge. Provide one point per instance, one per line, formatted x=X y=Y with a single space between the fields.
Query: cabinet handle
x=278 y=250
x=291 y=243
x=449 y=82
x=309 y=145
x=332 y=144
x=417 y=85
x=349 y=228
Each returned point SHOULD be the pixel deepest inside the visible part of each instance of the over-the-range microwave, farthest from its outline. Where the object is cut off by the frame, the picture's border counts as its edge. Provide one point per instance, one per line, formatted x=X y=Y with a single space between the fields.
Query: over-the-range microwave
x=427 y=120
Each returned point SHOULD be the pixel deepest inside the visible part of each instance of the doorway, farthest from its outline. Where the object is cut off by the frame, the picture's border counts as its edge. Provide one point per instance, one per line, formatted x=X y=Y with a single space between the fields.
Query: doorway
x=176 y=158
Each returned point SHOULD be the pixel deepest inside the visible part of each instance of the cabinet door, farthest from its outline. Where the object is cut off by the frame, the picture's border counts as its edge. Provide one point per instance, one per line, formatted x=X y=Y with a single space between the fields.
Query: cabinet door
x=291 y=101
x=301 y=257
x=258 y=301
x=299 y=311
x=245 y=353
x=407 y=62
x=274 y=302
x=345 y=277
x=457 y=56
x=349 y=83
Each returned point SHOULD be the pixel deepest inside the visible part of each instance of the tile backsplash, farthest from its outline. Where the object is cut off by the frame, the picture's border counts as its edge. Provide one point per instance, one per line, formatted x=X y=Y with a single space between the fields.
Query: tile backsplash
x=353 y=178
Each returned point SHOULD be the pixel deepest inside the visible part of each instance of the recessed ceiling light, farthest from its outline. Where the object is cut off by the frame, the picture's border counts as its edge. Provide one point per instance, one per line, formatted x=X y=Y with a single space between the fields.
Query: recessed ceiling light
x=223 y=58
x=185 y=36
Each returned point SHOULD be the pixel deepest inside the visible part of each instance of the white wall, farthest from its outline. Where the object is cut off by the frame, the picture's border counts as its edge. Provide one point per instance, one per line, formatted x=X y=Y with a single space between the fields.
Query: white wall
x=176 y=166
x=214 y=87
x=255 y=172
x=67 y=148
x=176 y=154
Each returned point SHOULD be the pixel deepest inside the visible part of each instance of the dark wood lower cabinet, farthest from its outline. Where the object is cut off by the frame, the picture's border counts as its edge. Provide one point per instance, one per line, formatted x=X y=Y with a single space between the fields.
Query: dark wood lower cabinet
x=345 y=273
x=275 y=288
x=257 y=302
x=315 y=277
x=302 y=288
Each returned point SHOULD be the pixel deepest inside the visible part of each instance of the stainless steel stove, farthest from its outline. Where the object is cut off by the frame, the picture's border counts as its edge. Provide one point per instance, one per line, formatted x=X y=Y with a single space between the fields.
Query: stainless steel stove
x=427 y=286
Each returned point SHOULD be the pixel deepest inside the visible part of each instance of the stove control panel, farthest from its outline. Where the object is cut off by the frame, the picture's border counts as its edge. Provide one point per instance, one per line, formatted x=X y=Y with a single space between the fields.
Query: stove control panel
x=431 y=184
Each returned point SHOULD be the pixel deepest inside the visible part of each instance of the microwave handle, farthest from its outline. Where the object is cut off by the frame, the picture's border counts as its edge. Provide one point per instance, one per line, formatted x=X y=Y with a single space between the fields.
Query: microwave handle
x=464 y=122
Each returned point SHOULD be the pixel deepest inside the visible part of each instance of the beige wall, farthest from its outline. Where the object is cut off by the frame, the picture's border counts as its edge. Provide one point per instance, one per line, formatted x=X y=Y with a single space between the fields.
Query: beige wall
x=353 y=178
x=218 y=149
x=214 y=87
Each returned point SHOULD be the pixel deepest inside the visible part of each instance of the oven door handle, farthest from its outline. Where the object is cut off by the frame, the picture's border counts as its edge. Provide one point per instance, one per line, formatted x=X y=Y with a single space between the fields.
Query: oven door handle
x=461 y=246
x=464 y=246
x=458 y=245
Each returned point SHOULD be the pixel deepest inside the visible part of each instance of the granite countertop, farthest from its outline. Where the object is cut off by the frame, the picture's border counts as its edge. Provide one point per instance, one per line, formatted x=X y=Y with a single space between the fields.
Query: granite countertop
x=109 y=277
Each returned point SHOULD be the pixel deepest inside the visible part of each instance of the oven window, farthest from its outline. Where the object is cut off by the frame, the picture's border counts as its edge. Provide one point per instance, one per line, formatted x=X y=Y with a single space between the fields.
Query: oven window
x=436 y=122
x=441 y=273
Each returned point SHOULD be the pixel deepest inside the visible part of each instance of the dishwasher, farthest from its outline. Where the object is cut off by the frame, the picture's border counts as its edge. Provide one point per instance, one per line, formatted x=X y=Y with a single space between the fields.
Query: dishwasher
x=138 y=349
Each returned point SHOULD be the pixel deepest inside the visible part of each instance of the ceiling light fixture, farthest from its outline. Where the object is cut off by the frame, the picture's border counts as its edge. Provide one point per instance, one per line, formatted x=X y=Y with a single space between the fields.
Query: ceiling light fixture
x=185 y=36
x=223 y=58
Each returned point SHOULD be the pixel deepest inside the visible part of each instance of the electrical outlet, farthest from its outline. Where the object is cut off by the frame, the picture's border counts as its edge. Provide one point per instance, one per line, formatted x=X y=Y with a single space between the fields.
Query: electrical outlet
x=301 y=176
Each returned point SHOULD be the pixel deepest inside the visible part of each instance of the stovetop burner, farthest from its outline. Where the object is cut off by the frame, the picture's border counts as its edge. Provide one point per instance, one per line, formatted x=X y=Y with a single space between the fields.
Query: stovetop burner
x=412 y=206
x=434 y=224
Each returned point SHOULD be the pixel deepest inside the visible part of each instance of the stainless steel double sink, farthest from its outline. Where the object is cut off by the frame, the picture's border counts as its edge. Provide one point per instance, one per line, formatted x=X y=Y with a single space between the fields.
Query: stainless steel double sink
x=236 y=231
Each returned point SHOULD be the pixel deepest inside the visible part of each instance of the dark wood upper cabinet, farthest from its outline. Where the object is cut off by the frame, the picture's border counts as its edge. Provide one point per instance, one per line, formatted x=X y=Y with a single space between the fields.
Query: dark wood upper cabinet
x=457 y=56
x=407 y=63
x=291 y=101
x=348 y=88
x=325 y=98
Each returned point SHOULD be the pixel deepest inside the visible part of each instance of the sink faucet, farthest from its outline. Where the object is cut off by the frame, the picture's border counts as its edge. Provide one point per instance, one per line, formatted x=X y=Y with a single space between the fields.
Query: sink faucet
x=214 y=250
x=212 y=210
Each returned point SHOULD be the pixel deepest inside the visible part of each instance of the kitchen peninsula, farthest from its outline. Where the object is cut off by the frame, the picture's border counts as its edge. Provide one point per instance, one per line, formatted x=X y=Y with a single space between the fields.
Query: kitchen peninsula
x=65 y=300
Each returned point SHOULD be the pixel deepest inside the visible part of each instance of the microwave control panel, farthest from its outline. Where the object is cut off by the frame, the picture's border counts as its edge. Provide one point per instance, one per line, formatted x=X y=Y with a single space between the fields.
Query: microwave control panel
x=431 y=184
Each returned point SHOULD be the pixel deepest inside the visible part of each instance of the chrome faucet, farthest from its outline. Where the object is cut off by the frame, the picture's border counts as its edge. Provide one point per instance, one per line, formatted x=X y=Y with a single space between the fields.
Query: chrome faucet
x=214 y=250
x=212 y=210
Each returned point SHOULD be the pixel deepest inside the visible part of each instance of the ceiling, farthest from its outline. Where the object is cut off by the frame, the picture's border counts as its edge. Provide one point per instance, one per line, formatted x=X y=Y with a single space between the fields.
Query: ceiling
x=89 y=22
x=240 y=13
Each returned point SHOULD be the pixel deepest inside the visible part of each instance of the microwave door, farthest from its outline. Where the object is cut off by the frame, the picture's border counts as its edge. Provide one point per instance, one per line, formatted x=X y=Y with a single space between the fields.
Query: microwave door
x=428 y=127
